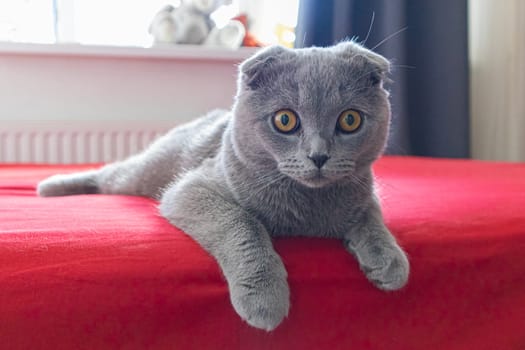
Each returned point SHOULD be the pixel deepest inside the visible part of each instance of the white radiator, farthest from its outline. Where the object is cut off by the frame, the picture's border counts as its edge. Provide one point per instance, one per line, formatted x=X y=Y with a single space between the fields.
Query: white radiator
x=75 y=145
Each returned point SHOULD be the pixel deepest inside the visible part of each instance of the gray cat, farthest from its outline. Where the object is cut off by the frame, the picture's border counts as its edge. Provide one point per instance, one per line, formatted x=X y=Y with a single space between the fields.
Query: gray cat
x=292 y=158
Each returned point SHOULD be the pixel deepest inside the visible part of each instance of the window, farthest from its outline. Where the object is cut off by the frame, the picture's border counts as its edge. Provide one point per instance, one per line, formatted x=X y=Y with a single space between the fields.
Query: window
x=27 y=21
x=124 y=22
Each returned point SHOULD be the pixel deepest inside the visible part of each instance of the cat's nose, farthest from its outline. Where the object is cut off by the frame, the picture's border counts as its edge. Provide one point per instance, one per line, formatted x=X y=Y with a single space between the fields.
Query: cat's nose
x=319 y=159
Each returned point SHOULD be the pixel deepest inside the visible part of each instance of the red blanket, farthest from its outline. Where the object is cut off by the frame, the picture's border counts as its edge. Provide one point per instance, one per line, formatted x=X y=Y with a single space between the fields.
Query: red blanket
x=96 y=271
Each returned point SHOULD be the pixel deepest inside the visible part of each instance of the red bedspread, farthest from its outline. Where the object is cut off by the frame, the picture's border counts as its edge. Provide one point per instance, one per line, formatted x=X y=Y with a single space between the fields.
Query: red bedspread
x=101 y=271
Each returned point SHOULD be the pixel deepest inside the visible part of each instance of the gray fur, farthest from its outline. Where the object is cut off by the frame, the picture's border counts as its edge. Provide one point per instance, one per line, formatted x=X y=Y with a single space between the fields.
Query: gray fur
x=231 y=181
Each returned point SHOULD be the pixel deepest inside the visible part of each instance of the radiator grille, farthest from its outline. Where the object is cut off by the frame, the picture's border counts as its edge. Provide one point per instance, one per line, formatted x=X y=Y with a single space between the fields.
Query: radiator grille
x=73 y=146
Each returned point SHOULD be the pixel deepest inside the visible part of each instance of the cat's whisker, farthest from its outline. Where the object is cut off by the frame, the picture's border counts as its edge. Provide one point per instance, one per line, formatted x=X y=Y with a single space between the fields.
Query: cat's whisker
x=369 y=28
x=361 y=184
x=379 y=185
x=402 y=66
x=389 y=37
x=262 y=183
x=265 y=183
x=267 y=186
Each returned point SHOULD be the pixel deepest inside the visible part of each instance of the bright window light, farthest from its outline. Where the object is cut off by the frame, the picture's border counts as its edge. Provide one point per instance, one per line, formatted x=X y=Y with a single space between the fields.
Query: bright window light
x=272 y=21
x=126 y=23
x=27 y=21
x=224 y=13
x=114 y=22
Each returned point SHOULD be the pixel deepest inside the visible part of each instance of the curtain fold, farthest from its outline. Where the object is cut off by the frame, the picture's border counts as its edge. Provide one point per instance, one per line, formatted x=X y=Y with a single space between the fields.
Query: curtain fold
x=426 y=41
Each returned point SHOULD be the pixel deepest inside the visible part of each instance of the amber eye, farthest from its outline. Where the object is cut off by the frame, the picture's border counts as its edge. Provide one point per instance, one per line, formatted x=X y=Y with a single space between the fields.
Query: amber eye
x=285 y=121
x=349 y=121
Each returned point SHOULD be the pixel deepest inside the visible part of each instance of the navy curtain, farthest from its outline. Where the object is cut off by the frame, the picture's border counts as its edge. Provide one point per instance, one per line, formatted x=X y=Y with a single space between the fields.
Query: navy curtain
x=427 y=42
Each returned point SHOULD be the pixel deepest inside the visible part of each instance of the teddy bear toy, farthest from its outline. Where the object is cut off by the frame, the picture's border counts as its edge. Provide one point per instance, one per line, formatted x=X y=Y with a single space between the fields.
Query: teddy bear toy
x=190 y=23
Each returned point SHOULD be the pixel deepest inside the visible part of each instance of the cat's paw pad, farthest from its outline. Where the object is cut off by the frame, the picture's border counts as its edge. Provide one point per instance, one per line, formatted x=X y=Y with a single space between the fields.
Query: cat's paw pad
x=387 y=267
x=263 y=304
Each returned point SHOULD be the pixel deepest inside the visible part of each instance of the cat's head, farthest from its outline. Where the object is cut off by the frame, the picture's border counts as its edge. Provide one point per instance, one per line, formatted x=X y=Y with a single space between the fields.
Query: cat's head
x=319 y=115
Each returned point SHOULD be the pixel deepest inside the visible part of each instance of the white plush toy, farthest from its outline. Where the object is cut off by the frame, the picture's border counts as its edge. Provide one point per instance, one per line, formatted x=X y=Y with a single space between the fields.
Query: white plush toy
x=190 y=23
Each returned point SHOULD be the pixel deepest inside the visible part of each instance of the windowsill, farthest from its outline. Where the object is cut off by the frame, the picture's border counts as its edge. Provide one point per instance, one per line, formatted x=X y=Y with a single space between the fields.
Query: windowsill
x=191 y=52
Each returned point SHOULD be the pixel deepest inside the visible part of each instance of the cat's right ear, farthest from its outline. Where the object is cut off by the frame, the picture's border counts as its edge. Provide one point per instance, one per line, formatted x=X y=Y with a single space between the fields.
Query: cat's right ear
x=260 y=69
x=378 y=65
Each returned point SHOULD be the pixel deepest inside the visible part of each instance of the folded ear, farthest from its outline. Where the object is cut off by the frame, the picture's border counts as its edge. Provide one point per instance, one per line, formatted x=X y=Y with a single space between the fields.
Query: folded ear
x=378 y=65
x=263 y=66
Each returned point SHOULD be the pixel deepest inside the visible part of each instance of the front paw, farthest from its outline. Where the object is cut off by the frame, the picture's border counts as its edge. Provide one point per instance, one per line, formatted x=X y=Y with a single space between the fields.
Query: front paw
x=385 y=265
x=263 y=302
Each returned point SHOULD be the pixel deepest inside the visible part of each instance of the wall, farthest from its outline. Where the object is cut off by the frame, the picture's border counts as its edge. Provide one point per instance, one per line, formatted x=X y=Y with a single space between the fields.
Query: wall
x=497 y=61
x=73 y=82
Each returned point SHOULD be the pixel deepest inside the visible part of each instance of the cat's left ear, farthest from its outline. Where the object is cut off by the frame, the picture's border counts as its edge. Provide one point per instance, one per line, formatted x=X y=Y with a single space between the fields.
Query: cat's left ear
x=261 y=68
x=378 y=65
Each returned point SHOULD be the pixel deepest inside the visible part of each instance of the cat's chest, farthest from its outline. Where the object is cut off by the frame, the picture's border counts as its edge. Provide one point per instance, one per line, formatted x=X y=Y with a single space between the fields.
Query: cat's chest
x=314 y=213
